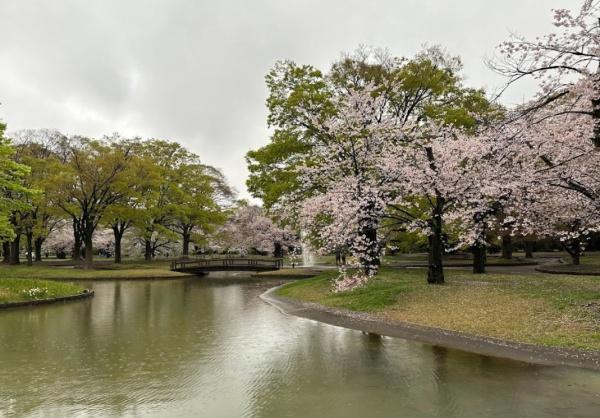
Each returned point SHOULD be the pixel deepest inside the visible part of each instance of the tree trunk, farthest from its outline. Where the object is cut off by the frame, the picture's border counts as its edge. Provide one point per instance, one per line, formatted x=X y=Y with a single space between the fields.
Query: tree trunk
x=118 y=233
x=147 y=250
x=479 y=258
x=29 y=236
x=6 y=252
x=507 y=249
x=596 y=109
x=435 y=271
x=38 y=248
x=186 y=243
x=89 y=252
x=370 y=258
x=15 y=250
x=76 y=242
x=573 y=247
x=575 y=259
x=118 y=258
x=529 y=248
x=278 y=250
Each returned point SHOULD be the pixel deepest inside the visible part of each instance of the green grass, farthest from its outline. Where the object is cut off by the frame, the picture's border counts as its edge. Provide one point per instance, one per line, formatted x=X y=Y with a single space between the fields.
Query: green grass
x=550 y=310
x=289 y=273
x=131 y=270
x=19 y=290
x=590 y=259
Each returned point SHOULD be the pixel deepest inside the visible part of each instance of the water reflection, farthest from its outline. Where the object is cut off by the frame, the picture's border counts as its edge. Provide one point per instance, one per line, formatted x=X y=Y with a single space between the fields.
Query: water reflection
x=192 y=348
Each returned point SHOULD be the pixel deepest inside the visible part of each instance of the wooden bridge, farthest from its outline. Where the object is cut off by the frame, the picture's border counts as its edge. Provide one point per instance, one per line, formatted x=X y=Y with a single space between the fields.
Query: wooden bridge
x=203 y=266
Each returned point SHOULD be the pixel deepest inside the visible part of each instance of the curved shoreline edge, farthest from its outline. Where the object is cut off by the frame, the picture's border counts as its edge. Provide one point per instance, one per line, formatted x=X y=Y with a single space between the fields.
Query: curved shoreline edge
x=567 y=272
x=486 y=346
x=83 y=295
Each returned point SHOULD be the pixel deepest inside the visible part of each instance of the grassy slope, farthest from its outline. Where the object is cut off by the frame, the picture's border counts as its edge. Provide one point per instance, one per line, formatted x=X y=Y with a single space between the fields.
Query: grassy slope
x=549 y=310
x=103 y=271
x=17 y=290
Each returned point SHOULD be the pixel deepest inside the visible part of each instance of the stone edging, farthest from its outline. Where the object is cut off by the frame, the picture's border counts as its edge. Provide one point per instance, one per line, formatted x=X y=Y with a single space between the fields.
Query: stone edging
x=84 y=295
x=567 y=272
x=434 y=336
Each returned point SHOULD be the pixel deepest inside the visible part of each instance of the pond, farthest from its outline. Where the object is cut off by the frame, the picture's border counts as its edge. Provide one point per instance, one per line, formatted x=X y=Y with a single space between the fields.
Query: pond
x=199 y=348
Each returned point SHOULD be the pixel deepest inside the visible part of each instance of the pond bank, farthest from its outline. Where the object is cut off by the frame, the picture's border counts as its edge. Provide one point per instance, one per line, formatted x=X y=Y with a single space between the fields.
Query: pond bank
x=492 y=347
x=527 y=318
x=27 y=292
x=128 y=271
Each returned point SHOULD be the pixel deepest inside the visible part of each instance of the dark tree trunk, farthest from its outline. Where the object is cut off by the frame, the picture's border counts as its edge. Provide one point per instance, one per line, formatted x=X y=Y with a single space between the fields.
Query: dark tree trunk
x=435 y=271
x=479 y=258
x=118 y=234
x=76 y=241
x=186 y=243
x=596 y=109
x=118 y=258
x=29 y=236
x=15 y=250
x=278 y=250
x=529 y=248
x=6 y=252
x=575 y=258
x=507 y=250
x=89 y=251
x=574 y=248
x=370 y=261
x=147 y=250
x=38 y=248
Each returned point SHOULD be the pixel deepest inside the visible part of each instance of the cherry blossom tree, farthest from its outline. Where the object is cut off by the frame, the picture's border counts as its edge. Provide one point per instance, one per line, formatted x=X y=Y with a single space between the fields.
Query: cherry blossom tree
x=60 y=241
x=560 y=170
x=566 y=63
x=248 y=229
x=445 y=175
x=346 y=179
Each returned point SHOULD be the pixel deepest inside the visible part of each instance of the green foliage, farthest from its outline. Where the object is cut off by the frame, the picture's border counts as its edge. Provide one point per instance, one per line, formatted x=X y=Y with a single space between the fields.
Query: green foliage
x=13 y=192
x=180 y=197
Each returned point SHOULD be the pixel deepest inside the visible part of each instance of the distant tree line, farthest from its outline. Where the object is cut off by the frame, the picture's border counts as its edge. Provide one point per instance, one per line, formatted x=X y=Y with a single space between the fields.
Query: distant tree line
x=155 y=190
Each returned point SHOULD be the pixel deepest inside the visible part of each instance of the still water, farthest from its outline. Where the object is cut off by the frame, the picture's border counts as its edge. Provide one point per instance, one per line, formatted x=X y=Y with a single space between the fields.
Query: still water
x=199 y=349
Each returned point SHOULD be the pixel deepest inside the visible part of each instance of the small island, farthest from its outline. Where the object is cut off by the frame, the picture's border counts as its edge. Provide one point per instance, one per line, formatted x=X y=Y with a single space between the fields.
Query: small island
x=22 y=292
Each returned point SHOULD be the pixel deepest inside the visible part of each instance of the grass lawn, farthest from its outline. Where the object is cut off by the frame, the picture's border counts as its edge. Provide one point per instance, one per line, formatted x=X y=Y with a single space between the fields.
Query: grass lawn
x=552 y=310
x=129 y=270
x=19 y=290
x=590 y=259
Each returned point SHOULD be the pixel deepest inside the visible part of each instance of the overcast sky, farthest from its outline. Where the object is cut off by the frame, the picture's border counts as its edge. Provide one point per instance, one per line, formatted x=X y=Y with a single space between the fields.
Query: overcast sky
x=193 y=71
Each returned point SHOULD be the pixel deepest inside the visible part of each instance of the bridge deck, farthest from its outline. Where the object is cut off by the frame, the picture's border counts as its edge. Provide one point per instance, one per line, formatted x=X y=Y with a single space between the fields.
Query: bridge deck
x=205 y=265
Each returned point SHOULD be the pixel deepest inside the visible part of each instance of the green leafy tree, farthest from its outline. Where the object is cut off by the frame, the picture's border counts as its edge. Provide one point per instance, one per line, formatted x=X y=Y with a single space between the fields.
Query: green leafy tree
x=13 y=196
x=153 y=219
x=141 y=180
x=196 y=203
x=88 y=180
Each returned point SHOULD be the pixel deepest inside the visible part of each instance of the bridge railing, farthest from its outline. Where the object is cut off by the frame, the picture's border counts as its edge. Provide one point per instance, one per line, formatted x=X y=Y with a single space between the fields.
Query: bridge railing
x=227 y=263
